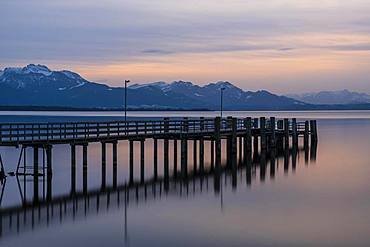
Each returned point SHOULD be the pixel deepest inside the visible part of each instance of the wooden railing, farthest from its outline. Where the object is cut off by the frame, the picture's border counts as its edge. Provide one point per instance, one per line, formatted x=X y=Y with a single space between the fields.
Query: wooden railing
x=18 y=132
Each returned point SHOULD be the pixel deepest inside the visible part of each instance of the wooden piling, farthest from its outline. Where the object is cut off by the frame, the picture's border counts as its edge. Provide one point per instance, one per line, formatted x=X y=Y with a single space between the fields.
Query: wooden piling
x=142 y=160
x=286 y=132
x=201 y=147
x=35 y=173
x=195 y=160
x=84 y=167
x=155 y=158
x=263 y=133
x=217 y=138
x=175 y=158
x=73 y=168
x=131 y=162
x=103 y=164
x=272 y=134
x=115 y=164
x=294 y=132
x=233 y=142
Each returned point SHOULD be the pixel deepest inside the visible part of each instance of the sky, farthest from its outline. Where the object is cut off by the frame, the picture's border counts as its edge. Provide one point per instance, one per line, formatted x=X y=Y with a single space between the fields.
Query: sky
x=285 y=46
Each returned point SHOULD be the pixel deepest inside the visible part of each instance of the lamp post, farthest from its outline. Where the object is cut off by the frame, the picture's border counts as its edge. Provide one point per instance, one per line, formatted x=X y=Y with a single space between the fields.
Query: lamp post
x=222 y=100
x=126 y=81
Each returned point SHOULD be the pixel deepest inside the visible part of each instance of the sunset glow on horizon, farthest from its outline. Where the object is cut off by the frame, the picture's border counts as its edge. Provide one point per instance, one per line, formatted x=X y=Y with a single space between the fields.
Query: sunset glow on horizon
x=280 y=45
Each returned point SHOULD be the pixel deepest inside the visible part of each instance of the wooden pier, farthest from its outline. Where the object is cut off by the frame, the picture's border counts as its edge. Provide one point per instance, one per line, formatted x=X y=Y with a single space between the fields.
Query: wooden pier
x=257 y=134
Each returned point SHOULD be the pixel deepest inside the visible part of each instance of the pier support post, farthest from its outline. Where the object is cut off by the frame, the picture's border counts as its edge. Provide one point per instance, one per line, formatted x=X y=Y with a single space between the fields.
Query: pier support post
x=280 y=127
x=263 y=133
x=184 y=148
x=201 y=147
x=73 y=168
x=294 y=132
x=49 y=168
x=233 y=143
x=272 y=130
x=212 y=144
x=114 y=165
x=35 y=173
x=247 y=137
x=195 y=156
x=306 y=134
x=103 y=164
x=217 y=137
x=166 y=149
x=286 y=132
x=184 y=157
x=49 y=160
x=255 y=137
x=155 y=158
x=131 y=161
x=175 y=158
x=84 y=167
x=142 y=160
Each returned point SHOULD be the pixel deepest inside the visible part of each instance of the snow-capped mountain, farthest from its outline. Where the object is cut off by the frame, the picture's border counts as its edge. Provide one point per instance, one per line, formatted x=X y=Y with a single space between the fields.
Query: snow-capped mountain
x=234 y=97
x=37 y=85
x=332 y=97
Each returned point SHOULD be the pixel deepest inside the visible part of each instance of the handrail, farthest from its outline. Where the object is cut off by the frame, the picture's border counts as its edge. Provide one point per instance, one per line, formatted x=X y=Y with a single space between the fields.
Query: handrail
x=49 y=131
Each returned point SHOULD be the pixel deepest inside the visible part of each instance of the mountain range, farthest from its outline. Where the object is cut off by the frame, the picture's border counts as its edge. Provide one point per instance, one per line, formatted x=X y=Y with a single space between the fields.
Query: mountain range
x=38 y=86
x=332 y=97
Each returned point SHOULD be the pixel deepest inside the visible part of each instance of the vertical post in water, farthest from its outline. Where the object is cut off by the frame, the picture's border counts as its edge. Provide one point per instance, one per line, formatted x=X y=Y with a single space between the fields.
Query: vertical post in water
x=294 y=132
x=217 y=137
x=35 y=173
x=49 y=160
x=166 y=148
x=49 y=168
x=233 y=142
x=272 y=130
x=286 y=132
x=103 y=164
x=84 y=167
x=306 y=134
x=73 y=168
x=131 y=161
x=240 y=149
x=263 y=133
x=114 y=164
x=195 y=156
x=314 y=131
x=175 y=158
x=255 y=137
x=201 y=146
x=155 y=161
x=248 y=136
x=184 y=148
x=142 y=160
x=212 y=144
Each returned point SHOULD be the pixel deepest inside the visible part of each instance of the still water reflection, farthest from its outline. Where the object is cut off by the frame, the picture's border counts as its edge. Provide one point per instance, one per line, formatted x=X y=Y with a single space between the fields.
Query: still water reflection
x=317 y=197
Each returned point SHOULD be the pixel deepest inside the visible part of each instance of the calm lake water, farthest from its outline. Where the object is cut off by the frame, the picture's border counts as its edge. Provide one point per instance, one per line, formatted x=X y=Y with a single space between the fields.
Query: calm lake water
x=319 y=200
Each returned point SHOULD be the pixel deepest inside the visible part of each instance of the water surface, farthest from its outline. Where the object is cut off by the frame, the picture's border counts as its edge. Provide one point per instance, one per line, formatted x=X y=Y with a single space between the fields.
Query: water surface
x=319 y=201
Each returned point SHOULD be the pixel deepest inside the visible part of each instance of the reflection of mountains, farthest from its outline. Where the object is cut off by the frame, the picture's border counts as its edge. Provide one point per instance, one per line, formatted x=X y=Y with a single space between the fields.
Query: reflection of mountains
x=30 y=216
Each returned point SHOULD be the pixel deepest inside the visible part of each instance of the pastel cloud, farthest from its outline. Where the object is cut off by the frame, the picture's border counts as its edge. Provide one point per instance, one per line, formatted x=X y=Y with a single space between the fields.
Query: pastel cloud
x=257 y=44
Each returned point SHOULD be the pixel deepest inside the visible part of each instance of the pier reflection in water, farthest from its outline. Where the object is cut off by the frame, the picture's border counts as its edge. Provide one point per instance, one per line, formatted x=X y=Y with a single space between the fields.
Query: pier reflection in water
x=39 y=208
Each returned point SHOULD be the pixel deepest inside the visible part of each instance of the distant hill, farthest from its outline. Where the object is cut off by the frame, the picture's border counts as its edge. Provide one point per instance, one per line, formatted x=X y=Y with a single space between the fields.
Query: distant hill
x=332 y=97
x=37 y=85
